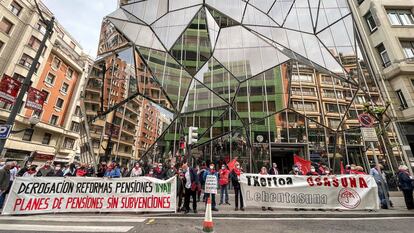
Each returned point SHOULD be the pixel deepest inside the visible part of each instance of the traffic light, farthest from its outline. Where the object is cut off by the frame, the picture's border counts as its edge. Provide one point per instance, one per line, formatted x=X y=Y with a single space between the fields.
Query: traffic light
x=192 y=135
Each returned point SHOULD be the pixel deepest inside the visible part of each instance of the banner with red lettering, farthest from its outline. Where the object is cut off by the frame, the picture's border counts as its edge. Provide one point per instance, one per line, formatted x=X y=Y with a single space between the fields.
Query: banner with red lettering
x=35 y=99
x=37 y=195
x=345 y=192
x=9 y=88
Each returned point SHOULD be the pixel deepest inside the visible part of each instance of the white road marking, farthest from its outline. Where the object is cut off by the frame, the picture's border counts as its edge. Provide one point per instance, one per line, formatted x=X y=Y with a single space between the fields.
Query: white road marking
x=54 y=218
x=60 y=228
x=288 y=219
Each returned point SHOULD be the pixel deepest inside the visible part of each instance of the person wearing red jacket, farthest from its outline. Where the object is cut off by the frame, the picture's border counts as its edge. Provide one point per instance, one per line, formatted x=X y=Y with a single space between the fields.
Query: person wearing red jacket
x=359 y=170
x=223 y=182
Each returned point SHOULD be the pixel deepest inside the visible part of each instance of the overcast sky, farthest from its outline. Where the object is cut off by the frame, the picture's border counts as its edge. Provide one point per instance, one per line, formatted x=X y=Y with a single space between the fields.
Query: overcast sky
x=82 y=19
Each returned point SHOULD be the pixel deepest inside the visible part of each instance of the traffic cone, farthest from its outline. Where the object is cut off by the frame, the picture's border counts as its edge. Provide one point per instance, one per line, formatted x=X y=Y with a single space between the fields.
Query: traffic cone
x=208 y=225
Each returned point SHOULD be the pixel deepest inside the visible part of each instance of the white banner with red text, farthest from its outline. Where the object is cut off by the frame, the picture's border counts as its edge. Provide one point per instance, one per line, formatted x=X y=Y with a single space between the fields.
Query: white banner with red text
x=344 y=192
x=36 y=195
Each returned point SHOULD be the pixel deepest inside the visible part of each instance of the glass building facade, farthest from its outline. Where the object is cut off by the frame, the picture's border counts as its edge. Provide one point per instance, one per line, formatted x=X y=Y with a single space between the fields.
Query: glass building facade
x=261 y=79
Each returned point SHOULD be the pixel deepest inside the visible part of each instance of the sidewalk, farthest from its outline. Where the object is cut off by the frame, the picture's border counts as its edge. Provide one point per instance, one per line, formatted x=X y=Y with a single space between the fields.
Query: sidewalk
x=399 y=210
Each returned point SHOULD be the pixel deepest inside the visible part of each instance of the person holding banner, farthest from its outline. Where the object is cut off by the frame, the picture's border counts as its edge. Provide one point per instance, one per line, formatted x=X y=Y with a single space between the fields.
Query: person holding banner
x=312 y=172
x=382 y=186
x=211 y=178
x=263 y=171
x=191 y=184
x=5 y=181
x=273 y=170
x=235 y=180
x=136 y=171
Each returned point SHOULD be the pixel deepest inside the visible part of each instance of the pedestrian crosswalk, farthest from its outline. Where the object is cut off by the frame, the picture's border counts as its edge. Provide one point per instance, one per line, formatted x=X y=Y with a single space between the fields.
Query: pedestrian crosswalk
x=69 y=223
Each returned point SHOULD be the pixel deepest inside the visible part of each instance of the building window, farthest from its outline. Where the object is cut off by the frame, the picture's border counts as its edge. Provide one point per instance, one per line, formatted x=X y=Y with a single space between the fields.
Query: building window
x=64 y=88
x=34 y=43
x=370 y=21
x=1 y=45
x=56 y=63
x=6 y=26
x=69 y=143
x=54 y=120
x=28 y=134
x=304 y=106
x=75 y=126
x=334 y=123
x=41 y=27
x=26 y=60
x=50 y=78
x=384 y=55
x=401 y=17
x=59 y=103
x=16 y=8
x=69 y=73
x=72 y=45
x=308 y=78
x=46 y=138
x=335 y=108
x=303 y=91
x=78 y=111
x=408 y=47
x=46 y=95
x=401 y=97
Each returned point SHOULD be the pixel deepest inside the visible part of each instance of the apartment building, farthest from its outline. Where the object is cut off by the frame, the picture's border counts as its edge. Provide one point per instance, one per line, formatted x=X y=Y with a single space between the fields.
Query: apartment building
x=60 y=75
x=387 y=30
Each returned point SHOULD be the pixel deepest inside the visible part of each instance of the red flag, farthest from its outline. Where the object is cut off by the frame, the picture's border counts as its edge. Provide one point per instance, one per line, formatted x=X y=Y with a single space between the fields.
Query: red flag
x=231 y=164
x=303 y=164
x=342 y=168
x=9 y=88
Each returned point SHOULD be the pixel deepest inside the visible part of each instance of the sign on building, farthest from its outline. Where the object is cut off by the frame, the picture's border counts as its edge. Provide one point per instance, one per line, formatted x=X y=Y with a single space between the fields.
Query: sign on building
x=369 y=134
x=5 y=131
x=35 y=99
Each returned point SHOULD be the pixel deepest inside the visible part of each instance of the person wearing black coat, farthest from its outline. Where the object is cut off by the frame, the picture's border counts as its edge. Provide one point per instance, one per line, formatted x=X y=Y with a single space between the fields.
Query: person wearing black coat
x=406 y=186
x=235 y=180
x=191 y=184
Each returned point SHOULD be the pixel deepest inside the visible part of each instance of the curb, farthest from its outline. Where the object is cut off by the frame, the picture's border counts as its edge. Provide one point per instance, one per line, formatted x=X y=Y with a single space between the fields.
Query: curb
x=327 y=214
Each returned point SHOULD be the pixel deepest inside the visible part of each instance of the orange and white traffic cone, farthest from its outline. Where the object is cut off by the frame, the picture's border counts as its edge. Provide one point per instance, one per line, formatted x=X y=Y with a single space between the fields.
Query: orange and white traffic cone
x=208 y=225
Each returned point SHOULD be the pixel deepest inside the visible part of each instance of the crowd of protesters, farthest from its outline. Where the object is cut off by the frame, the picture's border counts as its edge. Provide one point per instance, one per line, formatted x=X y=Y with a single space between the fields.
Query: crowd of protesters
x=191 y=180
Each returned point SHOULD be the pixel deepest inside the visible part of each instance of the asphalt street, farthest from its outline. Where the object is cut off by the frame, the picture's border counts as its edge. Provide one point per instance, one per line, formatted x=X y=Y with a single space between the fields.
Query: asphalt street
x=188 y=224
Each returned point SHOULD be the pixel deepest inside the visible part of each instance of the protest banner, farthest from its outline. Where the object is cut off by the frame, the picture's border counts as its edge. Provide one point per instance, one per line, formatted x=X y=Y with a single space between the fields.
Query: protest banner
x=346 y=192
x=35 y=99
x=9 y=88
x=211 y=184
x=36 y=195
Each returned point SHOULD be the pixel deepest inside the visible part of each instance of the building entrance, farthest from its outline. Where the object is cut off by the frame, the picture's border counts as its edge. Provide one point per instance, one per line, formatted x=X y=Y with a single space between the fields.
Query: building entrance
x=282 y=155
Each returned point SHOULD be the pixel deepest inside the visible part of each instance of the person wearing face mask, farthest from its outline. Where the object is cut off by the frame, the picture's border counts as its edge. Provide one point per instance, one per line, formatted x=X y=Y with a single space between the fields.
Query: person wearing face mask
x=31 y=171
x=46 y=170
x=235 y=180
x=312 y=172
x=136 y=171
x=382 y=186
x=180 y=189
x=263 y=171
x=211 y=171
x=405 y=183
x=159 y=171
x=171 y=172
x=150 y=173
x=58 y=171
x=295 y=171
x=223 y=182
x=191 y=184
x=5 y=180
